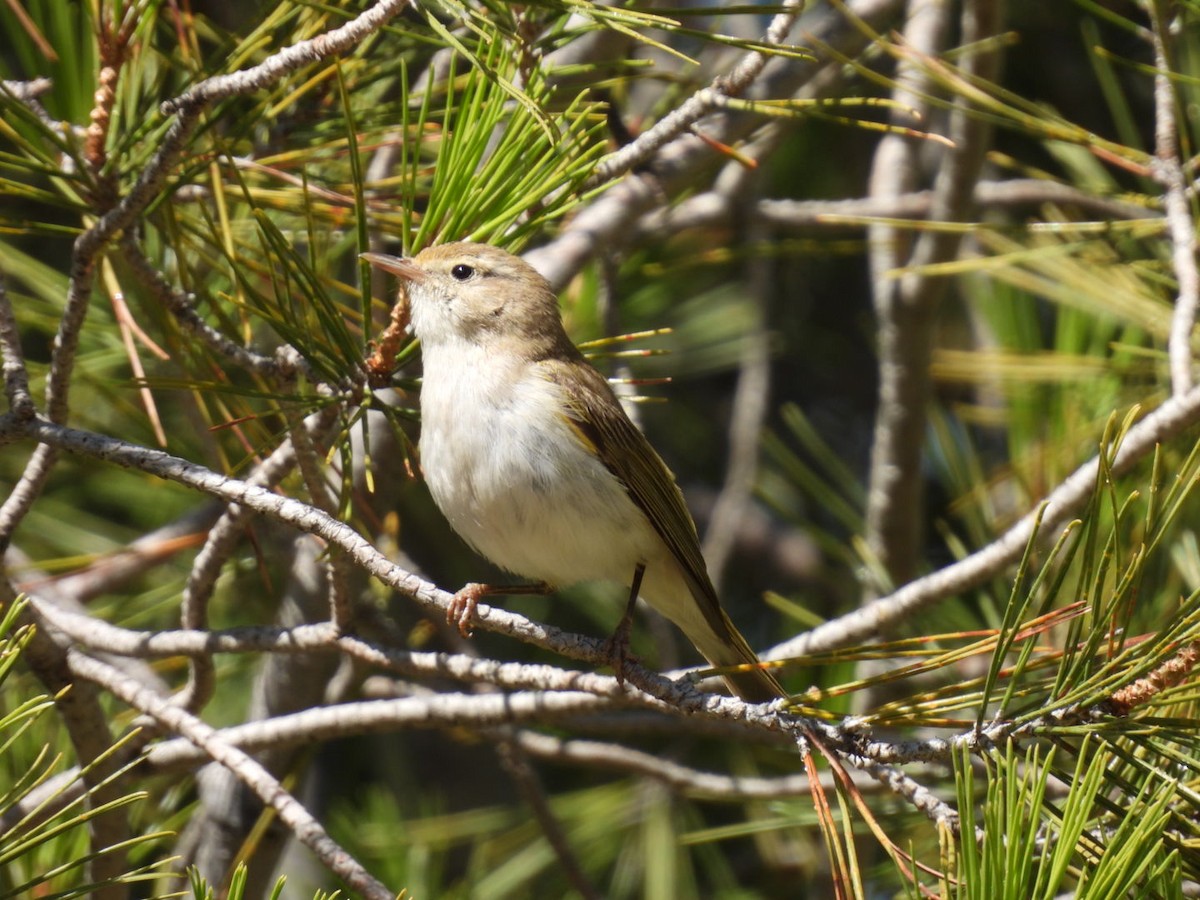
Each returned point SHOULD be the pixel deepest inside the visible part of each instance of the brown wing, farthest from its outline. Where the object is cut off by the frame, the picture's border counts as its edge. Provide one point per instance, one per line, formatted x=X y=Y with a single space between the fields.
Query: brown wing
x=596 y=413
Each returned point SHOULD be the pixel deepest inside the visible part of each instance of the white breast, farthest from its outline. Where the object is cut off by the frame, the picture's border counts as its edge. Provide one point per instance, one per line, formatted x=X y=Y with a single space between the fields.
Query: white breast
x=514 y=480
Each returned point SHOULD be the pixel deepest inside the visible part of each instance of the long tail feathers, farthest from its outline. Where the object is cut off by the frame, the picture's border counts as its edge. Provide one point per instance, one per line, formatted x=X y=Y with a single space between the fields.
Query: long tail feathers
x=754 y=685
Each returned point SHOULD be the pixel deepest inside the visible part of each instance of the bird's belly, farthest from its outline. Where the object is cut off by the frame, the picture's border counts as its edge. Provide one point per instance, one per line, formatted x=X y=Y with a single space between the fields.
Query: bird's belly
x=519 y=486
x=566 y=535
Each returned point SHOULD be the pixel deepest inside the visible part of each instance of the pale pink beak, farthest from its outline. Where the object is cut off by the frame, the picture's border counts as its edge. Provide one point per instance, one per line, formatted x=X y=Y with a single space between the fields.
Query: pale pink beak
x=404 y=268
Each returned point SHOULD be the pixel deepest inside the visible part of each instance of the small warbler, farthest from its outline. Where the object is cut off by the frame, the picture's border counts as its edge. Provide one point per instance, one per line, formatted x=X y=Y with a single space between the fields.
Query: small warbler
x=529 y=455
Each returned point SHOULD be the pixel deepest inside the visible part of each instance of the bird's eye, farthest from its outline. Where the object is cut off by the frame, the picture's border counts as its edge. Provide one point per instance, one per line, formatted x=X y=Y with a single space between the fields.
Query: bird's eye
x=461 y=272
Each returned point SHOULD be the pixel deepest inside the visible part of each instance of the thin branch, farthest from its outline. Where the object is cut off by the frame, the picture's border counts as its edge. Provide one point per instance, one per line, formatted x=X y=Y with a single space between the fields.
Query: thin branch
x=904 y=321
x=606 y=224
x=694 y=783
x=220 y=543
x=66 y=340
x=715 y=207
x=895 y=169
x=514 y=762
x=1168 y=421
x=96 y=634
x=683 y=117
x=183 y=309
x=25 y=492
x=310 y=464
x=906 y=306
x=313 y=726
x=88 y=729
x=904 y=785
x=16 y=387
x=16 y=377
x=1016 y=192
x=474 y=670
x=1168 y=170
x=306 y=829
x=286 y=61
x=850 y=741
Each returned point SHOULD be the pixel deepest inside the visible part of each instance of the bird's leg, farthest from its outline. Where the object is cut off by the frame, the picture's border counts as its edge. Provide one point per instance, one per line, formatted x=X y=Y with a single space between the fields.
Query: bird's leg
x=617 y=646
x=461 y=610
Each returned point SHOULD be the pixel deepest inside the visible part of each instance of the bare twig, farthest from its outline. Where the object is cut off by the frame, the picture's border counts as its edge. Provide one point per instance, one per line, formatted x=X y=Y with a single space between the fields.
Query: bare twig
x=715 y=207
x=1169 y=420
x=87 y=726
x=906 y=306
x=605 y=224
x=382 y=716
x=202 y=578
x=513 y=760
x=183 y=309
x=109 y=572
x=25 y=492
x=286 y=61
x=310 y=464
x=307 y=829
x=21 y=406
x=95 y=634
x=1017 y=192
x=474 y=670
x=1168 y=170
x=687 y=114
x=16 y=378
x=617 y=757
x=904 y=325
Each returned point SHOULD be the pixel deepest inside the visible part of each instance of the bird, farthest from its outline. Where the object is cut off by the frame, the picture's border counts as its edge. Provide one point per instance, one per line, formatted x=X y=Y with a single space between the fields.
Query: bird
x=530 y=457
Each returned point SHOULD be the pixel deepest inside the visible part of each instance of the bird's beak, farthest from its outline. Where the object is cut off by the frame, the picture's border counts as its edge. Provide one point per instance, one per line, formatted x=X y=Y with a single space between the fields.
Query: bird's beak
x=404 y=268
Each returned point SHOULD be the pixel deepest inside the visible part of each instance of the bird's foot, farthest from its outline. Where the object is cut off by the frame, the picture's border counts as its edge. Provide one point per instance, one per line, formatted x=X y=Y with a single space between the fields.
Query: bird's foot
x=616 y=648
x=461 y=611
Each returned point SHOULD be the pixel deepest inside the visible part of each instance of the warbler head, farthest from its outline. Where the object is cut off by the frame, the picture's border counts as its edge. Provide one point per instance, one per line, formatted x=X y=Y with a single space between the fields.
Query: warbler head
x=481 y=295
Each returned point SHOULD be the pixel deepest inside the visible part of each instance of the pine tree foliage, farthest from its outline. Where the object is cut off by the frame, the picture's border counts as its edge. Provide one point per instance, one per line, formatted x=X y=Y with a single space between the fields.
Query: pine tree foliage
x=919 y=281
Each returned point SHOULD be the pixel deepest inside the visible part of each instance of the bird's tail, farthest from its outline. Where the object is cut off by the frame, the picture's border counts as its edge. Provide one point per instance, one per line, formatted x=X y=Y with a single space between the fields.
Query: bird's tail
x=722 y=645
